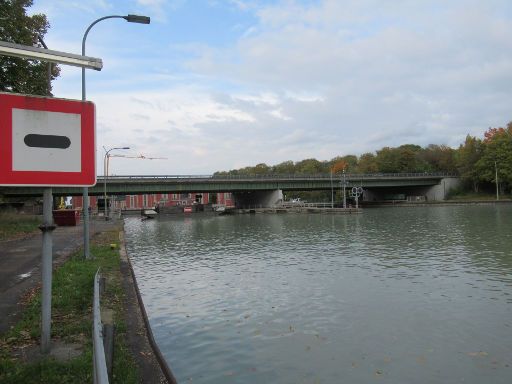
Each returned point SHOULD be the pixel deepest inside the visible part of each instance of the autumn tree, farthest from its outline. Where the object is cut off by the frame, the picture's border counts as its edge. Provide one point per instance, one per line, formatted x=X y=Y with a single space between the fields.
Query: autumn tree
x=16 y=74
x=339 y=166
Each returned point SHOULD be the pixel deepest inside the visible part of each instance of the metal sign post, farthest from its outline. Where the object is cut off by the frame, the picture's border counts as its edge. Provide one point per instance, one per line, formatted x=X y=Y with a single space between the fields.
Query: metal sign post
x=356 y=192
x=46 y=142
x=46 y=270
x=344 y=185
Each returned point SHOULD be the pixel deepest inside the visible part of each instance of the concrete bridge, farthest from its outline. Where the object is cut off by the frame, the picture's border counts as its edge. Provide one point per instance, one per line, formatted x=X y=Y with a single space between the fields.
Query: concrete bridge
x=263 y=189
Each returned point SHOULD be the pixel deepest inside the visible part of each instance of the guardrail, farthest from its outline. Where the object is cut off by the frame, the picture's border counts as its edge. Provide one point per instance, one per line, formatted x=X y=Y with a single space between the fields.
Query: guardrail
x=100 y=373
x=348 y=176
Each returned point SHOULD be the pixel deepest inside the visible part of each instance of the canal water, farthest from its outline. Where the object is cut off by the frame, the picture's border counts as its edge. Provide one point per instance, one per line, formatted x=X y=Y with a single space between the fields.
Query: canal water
x=394 y=295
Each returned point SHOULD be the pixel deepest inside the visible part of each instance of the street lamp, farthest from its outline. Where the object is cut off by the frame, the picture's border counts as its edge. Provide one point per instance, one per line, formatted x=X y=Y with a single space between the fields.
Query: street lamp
x=332 y=192
x=105 y=177
x=344 y=186
x=496 y=179
x=85 y=194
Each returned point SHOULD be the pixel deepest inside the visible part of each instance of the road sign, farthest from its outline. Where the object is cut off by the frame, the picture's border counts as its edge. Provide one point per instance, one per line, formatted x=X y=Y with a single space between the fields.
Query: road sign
x=46 y=141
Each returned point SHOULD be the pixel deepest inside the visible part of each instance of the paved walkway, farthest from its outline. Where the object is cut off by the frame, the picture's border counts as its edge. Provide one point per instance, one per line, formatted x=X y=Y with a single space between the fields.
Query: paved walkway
x=20 y=263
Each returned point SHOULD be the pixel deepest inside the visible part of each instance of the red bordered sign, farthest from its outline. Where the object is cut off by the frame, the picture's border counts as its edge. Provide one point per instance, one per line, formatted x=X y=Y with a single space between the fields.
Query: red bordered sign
x=46 y=141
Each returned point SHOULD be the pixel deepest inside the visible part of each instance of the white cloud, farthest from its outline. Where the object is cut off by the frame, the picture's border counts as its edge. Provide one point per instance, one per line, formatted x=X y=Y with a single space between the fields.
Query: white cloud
x=307 y=79
x=159 y=9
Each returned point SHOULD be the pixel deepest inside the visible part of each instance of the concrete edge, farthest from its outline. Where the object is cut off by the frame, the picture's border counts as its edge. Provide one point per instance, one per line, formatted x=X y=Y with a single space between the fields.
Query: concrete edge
x=154 y=346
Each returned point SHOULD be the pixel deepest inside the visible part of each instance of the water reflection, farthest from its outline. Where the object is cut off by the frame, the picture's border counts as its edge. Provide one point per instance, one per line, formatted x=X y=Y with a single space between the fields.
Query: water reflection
x=400 y=295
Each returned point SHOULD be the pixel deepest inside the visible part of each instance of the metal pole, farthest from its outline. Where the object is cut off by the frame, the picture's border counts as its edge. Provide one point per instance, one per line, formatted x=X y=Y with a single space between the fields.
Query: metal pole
x=497 y=183
x=344 y=194
x=105 y=184
x=85 y=194
x=47 y=249
x=332 y=193
x=106 y=179
x=85 y=191
x=46 y=270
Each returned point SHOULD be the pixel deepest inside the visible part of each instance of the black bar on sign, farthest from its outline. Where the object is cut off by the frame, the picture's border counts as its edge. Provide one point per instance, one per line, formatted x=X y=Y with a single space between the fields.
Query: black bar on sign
x=47 y=141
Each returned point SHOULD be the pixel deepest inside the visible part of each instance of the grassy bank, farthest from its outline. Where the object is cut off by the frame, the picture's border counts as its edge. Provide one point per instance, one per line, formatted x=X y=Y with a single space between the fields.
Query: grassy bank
x=471 y=196
x=13 y=225
x=72 y=294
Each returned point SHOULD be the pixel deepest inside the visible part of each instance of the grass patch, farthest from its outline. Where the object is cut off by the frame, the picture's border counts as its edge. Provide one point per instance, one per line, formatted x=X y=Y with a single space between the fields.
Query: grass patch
x=72 y=292
x=471 y=196
x=14 y=225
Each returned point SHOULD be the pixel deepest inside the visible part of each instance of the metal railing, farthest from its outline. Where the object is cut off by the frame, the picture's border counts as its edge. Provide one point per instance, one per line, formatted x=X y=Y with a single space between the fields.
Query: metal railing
x=100 y=373
x=304 y=204
x=320 y=176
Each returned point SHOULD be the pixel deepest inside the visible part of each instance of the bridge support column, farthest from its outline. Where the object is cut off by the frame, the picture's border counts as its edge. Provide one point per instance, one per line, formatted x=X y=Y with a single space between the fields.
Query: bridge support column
x=440 y=191
x=258 y=199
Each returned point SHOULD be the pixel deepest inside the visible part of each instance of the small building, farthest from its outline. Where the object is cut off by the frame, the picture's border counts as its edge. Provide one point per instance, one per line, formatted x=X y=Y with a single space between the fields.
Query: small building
x=145 y=201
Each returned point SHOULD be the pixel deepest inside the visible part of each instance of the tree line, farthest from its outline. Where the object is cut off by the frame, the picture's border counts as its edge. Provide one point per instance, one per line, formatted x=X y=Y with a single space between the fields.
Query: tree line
x=477 y=161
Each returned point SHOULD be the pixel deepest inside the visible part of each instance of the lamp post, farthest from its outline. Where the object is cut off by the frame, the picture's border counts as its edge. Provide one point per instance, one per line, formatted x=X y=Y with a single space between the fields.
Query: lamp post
x=85 y=194
x=332 y=192
x=105 y=177
x=344 y=186
x=496 y=179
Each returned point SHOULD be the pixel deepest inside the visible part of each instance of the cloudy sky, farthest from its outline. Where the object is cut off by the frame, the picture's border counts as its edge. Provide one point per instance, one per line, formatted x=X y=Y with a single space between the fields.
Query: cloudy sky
x=221 y=84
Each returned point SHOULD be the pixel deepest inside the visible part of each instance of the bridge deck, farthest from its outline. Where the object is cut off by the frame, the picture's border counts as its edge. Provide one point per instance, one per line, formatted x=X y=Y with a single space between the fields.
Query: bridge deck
x=147 y=184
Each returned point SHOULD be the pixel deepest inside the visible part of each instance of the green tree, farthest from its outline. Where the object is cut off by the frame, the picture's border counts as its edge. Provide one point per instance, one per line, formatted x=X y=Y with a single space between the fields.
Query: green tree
x=310 y=167
x=284 y=168
x=16 y=74
x=439 y=158
x=466 y=158
x=496 y=157
x=387 y=160
x=367 y=163
x=261 y=169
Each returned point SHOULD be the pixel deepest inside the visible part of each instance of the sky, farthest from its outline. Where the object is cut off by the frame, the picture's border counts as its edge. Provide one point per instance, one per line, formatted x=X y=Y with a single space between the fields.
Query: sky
x=215 y=85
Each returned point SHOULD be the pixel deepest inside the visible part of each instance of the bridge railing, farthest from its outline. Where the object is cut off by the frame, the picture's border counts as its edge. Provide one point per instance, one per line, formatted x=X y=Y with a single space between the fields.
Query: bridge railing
x=348 y=176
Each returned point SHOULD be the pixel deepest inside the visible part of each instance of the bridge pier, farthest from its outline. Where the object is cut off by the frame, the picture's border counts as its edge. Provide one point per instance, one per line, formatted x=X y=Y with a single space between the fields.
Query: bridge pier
x=258 y=199
x=436 y=192
x=440 y=191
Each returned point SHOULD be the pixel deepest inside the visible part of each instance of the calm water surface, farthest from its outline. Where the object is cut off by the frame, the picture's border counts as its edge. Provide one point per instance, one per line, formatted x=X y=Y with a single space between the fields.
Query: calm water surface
x=396 y=295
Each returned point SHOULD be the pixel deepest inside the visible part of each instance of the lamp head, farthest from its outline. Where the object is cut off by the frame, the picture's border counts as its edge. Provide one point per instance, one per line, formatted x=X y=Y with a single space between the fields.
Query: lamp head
x=137 y=19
